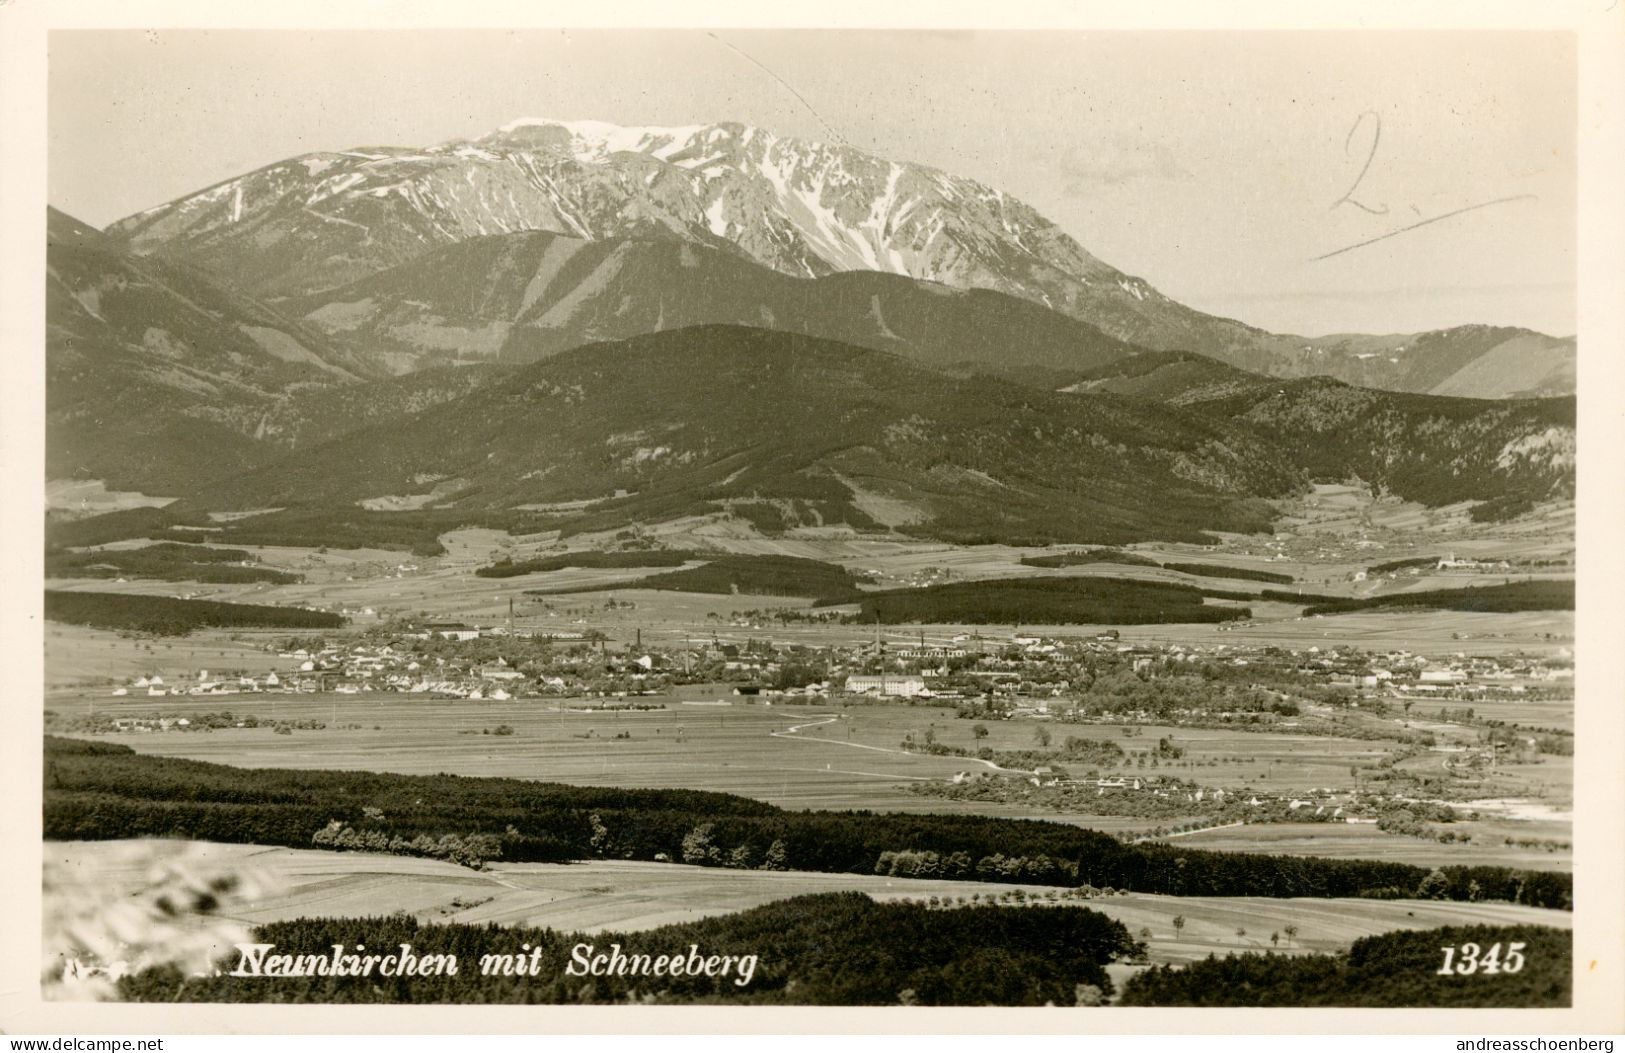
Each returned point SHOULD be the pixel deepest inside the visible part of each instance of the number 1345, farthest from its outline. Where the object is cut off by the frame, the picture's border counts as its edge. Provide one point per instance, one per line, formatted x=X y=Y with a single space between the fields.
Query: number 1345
x=1469 y=959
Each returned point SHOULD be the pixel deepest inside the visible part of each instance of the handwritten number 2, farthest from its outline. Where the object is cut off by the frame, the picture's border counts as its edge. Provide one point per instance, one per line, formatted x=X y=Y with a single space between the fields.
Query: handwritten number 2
x=1371 y=155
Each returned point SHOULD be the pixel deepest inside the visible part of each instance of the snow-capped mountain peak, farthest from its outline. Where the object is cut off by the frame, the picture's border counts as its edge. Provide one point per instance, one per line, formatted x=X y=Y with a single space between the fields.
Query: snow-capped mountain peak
x=799 y=206
x=591 y=141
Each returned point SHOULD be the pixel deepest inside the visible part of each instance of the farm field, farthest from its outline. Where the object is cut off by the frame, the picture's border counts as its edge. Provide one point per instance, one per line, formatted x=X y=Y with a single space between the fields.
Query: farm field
x=1558 y=714
x=792 y=756
x=801 y=758
x=76 y=656
x=1274 y=760
x=1324 y=540
x=89 y=497
x=1548 y=779
x=625 y=895
x=736 y=748
x=1423 y=632
x=1345 y=841
x=1349 y=521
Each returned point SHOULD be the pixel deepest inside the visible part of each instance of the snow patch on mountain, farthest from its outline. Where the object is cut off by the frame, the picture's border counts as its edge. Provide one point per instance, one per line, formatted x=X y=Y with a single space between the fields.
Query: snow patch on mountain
x=717 y=217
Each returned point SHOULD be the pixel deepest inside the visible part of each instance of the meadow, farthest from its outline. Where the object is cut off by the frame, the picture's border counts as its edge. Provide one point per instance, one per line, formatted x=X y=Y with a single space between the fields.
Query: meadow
x=827 y=756
x=824 y=757
x=598 y=895
x=1322 y=542
x=1360 y=841
x=79 y=658
x=734 y=748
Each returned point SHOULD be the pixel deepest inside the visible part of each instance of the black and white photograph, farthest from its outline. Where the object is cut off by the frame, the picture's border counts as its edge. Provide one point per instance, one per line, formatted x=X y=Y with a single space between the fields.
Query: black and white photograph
x=731 y=515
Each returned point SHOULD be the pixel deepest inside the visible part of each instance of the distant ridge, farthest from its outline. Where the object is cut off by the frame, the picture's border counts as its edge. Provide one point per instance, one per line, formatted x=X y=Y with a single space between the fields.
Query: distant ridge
x=786 y=430
x=156 y=375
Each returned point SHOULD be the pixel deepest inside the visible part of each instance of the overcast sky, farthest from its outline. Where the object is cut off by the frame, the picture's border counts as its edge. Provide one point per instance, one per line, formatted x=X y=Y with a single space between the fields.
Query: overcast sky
x=1212 y=165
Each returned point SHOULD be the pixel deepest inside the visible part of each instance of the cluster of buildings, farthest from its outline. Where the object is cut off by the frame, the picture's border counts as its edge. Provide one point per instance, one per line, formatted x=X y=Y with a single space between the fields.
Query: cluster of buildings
x=1013 y=675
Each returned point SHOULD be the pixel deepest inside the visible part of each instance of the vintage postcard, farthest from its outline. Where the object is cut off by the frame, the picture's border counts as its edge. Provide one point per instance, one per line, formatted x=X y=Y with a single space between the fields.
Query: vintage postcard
x=614 y=511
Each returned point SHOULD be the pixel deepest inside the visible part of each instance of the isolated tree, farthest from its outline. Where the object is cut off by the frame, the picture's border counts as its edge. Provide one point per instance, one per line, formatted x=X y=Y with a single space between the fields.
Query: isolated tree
x=1291 y=932
x=1241 y=933
x=1434 y=886
x=1041 y=735
x=777 y=857
x=1275 y=939
x=698 y=847
x=979 y=731
x=1179 y=924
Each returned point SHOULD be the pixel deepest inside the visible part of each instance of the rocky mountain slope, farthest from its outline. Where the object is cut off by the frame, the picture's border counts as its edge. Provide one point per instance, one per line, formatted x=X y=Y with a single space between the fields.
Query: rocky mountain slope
x=802 y=208
x=521 y=297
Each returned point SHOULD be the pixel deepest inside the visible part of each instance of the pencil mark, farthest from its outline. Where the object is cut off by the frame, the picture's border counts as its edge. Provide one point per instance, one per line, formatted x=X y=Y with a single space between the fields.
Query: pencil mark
x=786 y=84
x=1371 y=155
x=1423 y=223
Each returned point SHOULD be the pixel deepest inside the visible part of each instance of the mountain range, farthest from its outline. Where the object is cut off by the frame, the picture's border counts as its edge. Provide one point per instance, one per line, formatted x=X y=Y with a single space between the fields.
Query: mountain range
x=644 y=323
x=794 y=430
x=316 y=223
x=785 y=430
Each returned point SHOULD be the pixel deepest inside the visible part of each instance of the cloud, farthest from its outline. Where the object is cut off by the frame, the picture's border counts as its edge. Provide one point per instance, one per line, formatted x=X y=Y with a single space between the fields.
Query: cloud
x=1117 y=160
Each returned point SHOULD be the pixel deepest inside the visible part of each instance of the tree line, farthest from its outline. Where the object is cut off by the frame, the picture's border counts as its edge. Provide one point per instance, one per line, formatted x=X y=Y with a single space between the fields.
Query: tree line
x=166 y=561
x=749 y=575
x=104 y=792
x=1045 y=601
x=512 y=568
x=167 y=616
x=838 y=948
x=1511 y=597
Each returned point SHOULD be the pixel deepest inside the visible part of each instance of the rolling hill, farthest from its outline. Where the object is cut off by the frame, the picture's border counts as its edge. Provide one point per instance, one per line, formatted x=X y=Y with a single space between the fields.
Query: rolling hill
x=787 y=430
x=1428 y=448
x=521 y=297
x=158 y=377
x=1472 y=361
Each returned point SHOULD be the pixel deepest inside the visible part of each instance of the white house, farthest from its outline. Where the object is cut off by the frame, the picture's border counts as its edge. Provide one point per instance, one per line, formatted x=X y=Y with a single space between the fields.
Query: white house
x=891 y=686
